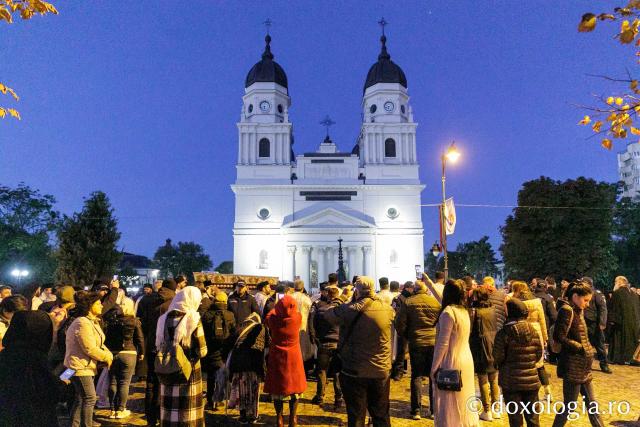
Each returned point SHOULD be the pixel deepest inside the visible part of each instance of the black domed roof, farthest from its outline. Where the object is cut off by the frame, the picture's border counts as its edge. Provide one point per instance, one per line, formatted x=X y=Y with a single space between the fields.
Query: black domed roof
x=385 y=70
x=267 y=70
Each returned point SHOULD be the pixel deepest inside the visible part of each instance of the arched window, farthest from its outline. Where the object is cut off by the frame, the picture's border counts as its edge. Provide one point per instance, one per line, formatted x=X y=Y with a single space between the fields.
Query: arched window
x=264 y=259
x=389 y=147
x=264 y=148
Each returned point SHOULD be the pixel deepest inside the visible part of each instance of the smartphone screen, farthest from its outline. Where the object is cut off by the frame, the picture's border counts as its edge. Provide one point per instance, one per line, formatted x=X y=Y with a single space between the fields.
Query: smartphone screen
x=67 y=374
x=419 y=271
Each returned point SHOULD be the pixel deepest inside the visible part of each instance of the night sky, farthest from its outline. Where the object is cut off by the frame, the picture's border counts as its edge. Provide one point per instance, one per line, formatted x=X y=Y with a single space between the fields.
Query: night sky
x=141 y=99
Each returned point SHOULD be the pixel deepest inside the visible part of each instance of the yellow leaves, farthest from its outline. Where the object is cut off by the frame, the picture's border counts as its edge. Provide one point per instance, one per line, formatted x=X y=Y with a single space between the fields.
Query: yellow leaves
x=5 y=15
x=610 y=100
x=26 y=8
x=628 y=31
x=606 y=143
x=12 y=112
x=596 y=126
x=587 y=23
x=3 y=113
x=634 y=131
x=619 y=101
x=585 y=121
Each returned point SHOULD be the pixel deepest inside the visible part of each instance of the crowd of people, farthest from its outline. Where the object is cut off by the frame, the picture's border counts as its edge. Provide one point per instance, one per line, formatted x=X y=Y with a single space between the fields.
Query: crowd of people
x=197 y=347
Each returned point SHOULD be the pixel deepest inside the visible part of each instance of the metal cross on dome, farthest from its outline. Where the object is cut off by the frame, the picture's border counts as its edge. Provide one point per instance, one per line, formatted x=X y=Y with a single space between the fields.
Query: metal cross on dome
x=383 y=24
x=327 y=123
x=268 y=24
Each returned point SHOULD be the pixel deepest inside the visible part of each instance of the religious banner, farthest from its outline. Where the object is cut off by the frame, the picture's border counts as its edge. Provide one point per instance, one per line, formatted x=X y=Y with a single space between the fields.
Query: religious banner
x=450 y=216
x=226 y=281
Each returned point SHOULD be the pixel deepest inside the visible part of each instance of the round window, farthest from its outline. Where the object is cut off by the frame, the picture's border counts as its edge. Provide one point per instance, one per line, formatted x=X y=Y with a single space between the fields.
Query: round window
x=373 y=108
x=280 y=109
x=392 y=213
x=250 y=108
x=264 y=213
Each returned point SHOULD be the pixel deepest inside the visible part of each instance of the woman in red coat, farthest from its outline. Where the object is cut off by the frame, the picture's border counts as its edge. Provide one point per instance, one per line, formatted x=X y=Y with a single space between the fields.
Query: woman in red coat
x=285 y=369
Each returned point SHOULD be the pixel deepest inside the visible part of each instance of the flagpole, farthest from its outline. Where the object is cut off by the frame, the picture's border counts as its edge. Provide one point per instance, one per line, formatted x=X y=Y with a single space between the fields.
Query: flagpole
x=443 y=220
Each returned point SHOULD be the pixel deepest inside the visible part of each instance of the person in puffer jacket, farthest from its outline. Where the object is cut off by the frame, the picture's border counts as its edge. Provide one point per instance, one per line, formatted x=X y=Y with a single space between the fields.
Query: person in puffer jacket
x=576 y=354
x=516 y=350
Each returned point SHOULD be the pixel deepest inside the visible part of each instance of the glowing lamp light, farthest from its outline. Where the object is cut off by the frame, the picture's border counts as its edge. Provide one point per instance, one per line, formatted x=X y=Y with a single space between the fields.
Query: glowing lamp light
x=19 y=273
x=435 y=249
x=452 y=153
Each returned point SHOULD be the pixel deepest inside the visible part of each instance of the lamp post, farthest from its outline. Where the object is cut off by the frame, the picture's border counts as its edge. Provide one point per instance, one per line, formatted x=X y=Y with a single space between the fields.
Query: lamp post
x=452 y=154
x=19 y=274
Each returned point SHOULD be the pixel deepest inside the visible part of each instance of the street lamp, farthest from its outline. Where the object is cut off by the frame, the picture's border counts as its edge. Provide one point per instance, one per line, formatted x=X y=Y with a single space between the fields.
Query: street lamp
x=435 y=249
x=452 y=154
x=19 y=274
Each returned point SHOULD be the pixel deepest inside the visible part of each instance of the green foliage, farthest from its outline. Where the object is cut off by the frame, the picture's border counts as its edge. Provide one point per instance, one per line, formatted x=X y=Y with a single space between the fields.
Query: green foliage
x=225 y=267
x=627 y=239
x=565 y=242
x=27 y=221
x=183 y=258
x=88 y=243
x=476 y=258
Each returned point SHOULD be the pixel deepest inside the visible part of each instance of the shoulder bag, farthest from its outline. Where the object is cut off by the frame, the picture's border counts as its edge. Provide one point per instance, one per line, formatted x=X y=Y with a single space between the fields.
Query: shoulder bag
x=336 y=360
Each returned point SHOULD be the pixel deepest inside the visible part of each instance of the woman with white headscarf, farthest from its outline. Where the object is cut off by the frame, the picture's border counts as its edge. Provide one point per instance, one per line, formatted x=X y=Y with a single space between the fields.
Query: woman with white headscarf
x=181 y=404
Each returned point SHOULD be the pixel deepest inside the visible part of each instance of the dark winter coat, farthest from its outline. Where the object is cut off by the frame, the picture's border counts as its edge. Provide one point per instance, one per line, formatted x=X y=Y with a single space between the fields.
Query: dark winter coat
x=596 y=313
x=497 y=298
x=625 y=325
x=416 y=319
x=151 y=307
x=576 y=355
x=217 y=349
x=482 y=337
x=285 y=367
x=242 y=306
x=321 y=331
x=248 y=350
x=28 y=391
x=516 y=350
x=123 y=333
x=549 y=306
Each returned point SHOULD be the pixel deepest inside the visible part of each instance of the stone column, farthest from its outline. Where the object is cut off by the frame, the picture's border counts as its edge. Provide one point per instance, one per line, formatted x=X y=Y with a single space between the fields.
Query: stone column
x=366 y=260
x=320 y=251
x=292 y=261
x=351 y=261
x=306 y=266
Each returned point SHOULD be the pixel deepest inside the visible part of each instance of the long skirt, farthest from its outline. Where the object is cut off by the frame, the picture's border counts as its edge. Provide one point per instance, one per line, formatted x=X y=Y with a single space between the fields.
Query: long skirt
x=182 y=405
x=245 y=392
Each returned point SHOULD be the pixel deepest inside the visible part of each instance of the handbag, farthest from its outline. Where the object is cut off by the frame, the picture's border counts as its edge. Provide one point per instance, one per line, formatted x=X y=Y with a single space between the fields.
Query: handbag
x=171 y=364
x=449 y=379
x=336 y=360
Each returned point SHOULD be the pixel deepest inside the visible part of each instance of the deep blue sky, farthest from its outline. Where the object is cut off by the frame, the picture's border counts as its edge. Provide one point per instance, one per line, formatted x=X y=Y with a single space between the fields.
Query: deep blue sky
x=141 y=100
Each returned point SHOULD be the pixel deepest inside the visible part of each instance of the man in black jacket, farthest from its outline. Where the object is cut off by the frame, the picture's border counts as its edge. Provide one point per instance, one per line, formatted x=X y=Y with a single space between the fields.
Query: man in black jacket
x=416 y=322
x=242 y=304
x=398 y=367
x=595 y=316
x=325 y=336
x=151 y=307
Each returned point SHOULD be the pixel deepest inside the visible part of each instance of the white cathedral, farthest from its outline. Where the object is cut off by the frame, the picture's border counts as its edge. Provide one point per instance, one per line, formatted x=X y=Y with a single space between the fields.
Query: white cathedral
x=291 y=209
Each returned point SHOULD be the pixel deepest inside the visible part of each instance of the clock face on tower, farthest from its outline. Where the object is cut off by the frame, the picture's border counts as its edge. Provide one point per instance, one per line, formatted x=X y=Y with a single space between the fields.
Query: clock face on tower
x=388 y=106
x=265 y=106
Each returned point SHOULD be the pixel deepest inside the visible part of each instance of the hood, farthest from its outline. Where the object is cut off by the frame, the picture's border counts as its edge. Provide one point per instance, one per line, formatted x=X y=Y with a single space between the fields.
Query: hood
x=166 y=294
x=520 y=331
x=286 y=307
x=252 y=320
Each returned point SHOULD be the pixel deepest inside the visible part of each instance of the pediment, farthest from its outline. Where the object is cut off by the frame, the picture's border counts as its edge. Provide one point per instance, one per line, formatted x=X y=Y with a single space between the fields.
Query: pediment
x=328 y=216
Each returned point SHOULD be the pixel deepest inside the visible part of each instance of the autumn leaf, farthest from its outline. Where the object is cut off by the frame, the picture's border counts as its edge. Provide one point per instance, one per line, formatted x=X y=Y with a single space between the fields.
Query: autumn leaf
x=610 y=100
x=619 y=101
x=3 y=112
x=596 y=126
x=634 y=131
x=585 y=121
x=606 y=143
x=587 y=23
x=14 y=113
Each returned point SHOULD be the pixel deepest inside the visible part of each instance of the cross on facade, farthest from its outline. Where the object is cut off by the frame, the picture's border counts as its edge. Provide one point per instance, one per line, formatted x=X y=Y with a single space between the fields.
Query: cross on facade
x=327 y=123
x=268 y=24
x=383 y=24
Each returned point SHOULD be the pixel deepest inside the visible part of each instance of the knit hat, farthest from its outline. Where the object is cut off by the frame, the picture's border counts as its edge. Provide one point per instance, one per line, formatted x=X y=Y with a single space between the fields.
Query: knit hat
x=365 y=285
x=65 y=294
x=298 y=285
x=516 y=309
x=220 y=297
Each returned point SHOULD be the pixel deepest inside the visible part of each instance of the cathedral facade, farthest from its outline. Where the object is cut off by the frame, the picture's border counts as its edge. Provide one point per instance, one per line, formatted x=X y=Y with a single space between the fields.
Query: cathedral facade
x=290 y=210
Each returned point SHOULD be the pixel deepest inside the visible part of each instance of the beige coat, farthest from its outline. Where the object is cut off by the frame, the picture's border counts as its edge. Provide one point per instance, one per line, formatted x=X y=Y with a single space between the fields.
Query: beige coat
x=537 y=320
x=85 y=347
x=304 y=306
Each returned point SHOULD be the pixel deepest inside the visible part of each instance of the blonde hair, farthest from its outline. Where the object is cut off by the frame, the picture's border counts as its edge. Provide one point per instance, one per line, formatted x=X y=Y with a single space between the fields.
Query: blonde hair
x=488 y=281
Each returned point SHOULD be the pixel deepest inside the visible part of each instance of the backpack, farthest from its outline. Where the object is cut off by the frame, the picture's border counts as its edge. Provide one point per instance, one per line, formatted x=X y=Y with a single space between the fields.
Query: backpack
x=554 y=345
x=171 y=364
x=219 y=325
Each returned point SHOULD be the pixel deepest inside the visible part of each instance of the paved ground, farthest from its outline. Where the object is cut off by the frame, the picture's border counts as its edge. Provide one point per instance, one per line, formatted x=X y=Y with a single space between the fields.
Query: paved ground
x=623 y=385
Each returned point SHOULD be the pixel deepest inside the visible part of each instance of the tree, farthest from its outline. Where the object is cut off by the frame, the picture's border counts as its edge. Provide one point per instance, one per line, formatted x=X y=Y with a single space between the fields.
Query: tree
x=88 y=243
x=183 y=258
x=225 y=267
x=27 y=223
x=26 y=9
x=479 y=258
x=616 y=113
x=627 y=239
x=561 y=228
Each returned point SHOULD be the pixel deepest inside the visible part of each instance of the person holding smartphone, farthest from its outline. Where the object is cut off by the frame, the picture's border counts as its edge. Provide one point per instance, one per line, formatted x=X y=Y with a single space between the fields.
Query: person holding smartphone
x=85 y=349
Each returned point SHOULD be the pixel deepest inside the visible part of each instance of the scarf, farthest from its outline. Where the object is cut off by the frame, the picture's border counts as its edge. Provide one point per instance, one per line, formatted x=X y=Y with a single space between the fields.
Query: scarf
x=186 y=301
